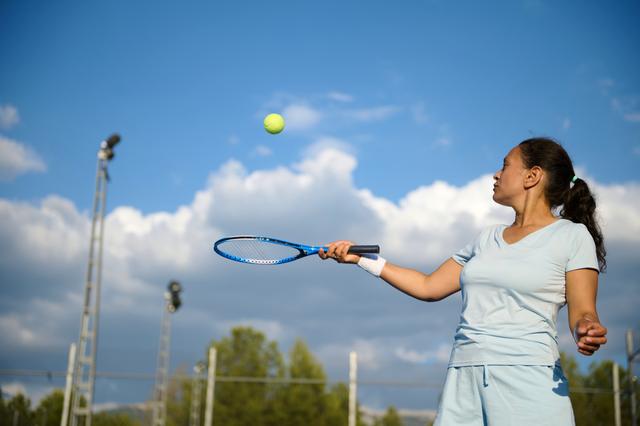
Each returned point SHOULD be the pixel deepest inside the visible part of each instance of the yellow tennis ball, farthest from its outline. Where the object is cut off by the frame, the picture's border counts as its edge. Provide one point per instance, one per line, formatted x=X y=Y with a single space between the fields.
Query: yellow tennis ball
x=274 y=123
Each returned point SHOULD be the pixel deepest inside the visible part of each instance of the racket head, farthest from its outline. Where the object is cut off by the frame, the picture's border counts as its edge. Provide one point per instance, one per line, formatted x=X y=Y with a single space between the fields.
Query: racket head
x=259 y=250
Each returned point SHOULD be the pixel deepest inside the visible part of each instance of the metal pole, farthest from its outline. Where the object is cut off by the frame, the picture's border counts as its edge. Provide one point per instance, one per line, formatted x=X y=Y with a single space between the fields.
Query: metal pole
x=160 y=400
x=632 y=384
x=211 y=382
x=64 y=421
x=196 y=394
x=353 y=375
x=96 y=308
x=84 y=368
x=616 y=395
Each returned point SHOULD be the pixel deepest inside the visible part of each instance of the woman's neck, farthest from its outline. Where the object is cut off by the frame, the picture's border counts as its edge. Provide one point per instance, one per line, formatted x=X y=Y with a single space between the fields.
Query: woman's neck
x=534 y=212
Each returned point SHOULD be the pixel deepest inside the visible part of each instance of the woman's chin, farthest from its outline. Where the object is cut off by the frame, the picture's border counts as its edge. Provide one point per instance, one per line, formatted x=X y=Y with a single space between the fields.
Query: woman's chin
x=498 y=200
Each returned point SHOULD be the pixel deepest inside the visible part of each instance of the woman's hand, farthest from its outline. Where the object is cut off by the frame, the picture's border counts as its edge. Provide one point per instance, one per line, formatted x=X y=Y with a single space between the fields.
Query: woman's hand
x=589 y=335
x=339 y=251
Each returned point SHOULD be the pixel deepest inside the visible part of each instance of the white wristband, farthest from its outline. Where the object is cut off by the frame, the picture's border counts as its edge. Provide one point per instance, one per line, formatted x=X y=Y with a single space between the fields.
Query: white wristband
x=372 y=263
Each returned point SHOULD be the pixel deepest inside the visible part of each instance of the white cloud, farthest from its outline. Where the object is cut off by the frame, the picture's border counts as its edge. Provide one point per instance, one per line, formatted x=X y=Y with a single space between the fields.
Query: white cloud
x=14 y=388
x=566 y=124
x=368 y=351
x=633 y=117
x=626 y=105
x=335 y=307
x=442 y=141
x=340 y=97
x=16 y=332
x=619 y=208
x=299 y=116
x=262 y=151
x=440 y=354
x=35 y=392
x=371 y=114
x=8 y=116
x=274 y=330
x=16 y=159
x=233 y=140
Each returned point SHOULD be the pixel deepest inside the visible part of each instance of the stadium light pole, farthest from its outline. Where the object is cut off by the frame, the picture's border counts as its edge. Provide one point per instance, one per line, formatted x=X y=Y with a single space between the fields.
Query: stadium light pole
x=172 y=303
x=84 y=369
x=196 y=393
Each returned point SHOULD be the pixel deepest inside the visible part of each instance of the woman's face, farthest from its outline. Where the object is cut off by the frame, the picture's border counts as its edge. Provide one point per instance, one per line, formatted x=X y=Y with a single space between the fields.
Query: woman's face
x=509 y=180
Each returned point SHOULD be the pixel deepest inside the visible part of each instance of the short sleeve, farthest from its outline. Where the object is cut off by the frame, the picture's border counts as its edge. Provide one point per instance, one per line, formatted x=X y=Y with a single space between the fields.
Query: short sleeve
x=582 y=250
x=463 y=255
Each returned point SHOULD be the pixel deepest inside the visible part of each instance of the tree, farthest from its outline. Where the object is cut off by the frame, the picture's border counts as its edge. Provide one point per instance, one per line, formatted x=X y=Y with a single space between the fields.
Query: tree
x=390 y=418
x=592 y=393
x=18 y=411
x=246 y=353
x=112 y=419
x=4 y=411
x=178 y=399
x=337 y=406
x=49 y=411
x=305 y=402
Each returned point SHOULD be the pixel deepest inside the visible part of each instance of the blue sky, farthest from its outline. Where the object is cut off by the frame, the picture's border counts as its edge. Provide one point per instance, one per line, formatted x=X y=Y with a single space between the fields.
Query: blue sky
x=380 y=100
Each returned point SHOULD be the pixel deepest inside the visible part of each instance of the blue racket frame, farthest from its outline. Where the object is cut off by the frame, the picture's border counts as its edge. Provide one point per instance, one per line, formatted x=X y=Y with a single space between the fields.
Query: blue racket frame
x=304 y=250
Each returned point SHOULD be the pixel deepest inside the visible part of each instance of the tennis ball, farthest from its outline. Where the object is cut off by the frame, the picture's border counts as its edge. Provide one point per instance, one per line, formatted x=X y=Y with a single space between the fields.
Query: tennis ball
x=274 y=123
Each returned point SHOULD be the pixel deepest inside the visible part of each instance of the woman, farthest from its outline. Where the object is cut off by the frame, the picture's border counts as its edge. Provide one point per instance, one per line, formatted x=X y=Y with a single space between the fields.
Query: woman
x=505 y=364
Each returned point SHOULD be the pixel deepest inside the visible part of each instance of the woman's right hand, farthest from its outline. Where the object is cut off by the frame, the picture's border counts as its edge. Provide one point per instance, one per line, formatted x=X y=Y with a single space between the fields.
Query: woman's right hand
x=339 y=251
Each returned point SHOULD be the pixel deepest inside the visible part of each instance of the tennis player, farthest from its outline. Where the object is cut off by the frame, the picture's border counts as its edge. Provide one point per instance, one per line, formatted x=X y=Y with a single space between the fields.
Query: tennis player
x=504 y=368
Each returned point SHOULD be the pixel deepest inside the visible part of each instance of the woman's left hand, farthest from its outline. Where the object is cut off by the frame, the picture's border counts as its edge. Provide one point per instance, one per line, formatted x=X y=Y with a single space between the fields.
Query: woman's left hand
x=589 y=335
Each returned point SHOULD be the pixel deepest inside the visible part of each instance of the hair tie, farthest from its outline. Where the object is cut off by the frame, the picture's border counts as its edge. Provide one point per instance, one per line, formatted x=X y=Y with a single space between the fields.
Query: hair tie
x=573 y=182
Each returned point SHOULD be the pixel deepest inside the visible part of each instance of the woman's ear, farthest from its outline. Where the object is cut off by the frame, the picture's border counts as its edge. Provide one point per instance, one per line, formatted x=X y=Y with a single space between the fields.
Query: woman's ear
x=533 y=177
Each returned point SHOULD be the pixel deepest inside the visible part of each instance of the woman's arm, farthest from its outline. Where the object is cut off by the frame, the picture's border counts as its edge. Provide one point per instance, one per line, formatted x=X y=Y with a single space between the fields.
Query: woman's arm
x=443 y=282
x=582 y=289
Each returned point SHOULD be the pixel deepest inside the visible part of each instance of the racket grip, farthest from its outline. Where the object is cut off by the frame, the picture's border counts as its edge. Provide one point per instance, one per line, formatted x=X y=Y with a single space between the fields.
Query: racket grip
x=364 y=249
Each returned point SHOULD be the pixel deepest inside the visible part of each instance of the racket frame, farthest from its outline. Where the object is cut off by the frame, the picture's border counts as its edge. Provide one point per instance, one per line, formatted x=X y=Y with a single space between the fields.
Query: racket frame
x=304 y=250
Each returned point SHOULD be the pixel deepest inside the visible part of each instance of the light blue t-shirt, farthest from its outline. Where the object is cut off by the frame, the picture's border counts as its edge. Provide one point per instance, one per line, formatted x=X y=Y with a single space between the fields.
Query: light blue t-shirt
x=511 y=294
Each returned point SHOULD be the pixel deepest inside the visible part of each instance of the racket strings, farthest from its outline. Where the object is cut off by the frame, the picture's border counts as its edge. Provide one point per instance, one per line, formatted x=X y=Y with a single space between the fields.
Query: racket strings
x=257 y=250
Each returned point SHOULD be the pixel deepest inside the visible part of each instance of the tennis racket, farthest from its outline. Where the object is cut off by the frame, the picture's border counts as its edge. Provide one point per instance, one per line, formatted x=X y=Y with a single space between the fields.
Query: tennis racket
x=271 y=251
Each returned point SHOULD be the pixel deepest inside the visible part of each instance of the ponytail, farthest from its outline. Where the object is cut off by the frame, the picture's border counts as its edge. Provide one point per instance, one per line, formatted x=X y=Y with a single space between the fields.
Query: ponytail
x=563 y=189
x=580 y=207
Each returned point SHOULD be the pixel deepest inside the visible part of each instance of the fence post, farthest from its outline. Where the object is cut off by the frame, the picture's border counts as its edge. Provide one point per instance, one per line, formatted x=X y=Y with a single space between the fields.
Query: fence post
x=64 y=421
x=211 y=381
x=353 y=375
x=616 y=395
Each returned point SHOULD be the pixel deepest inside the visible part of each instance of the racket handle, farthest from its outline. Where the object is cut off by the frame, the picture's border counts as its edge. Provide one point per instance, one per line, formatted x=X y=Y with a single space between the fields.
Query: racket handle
x=364 y=249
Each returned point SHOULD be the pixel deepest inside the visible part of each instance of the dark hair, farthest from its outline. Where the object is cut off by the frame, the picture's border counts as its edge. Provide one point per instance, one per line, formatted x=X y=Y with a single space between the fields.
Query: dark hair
x=578 y=204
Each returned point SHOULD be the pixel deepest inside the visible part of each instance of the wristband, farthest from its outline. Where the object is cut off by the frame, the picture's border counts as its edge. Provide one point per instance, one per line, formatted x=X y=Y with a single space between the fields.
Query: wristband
x=372 y=263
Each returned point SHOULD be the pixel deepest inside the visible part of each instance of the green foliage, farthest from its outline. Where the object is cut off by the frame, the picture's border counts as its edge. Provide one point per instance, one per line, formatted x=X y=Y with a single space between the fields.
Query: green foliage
x=246 y=353
x=305 y=402
x=592 y=393
x=390 y=418
x=112 y=419
x=4 y=412
x=18 y=412
x=49 y=411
